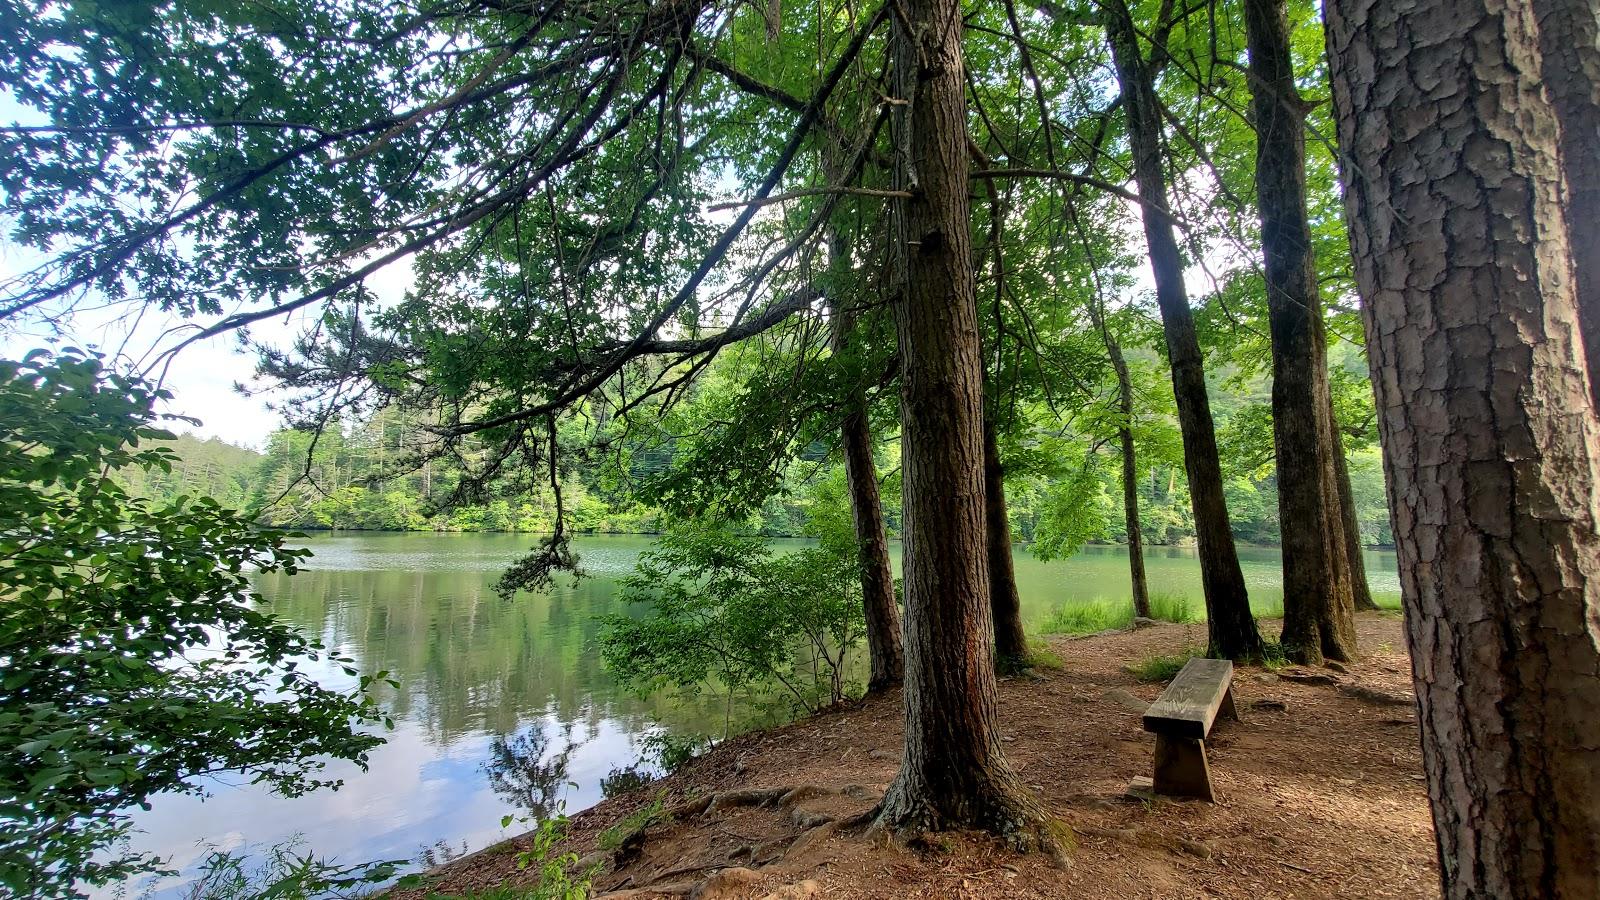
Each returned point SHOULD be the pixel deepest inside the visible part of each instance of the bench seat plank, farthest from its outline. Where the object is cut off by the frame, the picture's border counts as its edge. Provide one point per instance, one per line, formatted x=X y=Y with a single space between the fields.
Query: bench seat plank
x=1190 y=703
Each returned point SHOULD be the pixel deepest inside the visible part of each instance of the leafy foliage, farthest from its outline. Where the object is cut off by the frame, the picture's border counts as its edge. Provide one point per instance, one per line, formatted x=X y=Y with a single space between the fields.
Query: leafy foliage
x=283 y=872
x=727 y=609
x=134 y=661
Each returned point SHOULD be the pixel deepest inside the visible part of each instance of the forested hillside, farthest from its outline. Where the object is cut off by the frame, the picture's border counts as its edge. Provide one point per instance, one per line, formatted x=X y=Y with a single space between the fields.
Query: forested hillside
x=1066 y=488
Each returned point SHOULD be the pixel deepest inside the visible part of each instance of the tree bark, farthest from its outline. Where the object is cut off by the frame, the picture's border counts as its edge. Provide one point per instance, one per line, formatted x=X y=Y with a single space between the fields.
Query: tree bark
x=1130 y=464
x=877 y=576
x=1354 y=546
x=866 y=506
x=1453 y=183
x=1569 y=45
x=1318 y=609
x=1010 y=642
x=1232 y=629
x=954 y=773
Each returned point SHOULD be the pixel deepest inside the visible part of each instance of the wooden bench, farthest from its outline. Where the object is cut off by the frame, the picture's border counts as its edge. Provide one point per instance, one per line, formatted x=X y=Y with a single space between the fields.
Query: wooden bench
x=1181 y=719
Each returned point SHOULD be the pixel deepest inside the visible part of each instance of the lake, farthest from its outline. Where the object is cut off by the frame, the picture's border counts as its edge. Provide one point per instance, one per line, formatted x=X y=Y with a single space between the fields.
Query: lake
x=503 y=707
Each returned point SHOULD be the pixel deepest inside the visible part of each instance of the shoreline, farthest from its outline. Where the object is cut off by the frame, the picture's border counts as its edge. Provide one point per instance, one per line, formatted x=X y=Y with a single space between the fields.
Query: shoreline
x=1074 y=737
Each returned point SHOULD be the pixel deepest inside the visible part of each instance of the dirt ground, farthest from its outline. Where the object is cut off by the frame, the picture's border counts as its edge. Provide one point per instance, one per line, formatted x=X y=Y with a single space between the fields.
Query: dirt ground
x=1320 y=794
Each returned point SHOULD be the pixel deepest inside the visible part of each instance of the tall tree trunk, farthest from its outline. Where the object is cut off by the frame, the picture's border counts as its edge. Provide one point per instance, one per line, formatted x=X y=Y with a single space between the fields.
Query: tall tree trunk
x=877 y=577
x=1354 y=546
x=1459 y=235
x=954 y=773
x=866 y=507
x=1569 y=44
x=1318 y=609
x=1232 y=628
x=1010 y=642
x=1130 y=464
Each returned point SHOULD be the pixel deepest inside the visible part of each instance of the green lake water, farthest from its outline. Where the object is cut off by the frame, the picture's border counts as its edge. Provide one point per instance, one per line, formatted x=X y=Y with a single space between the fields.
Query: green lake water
x=503 y=707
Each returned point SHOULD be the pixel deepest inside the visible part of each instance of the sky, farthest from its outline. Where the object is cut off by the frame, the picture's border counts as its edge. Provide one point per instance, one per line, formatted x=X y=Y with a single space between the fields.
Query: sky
x=202 y=378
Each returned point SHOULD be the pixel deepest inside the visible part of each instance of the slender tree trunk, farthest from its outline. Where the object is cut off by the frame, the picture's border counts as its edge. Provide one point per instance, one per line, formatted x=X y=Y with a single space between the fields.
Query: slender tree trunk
x=1232 y=629
x=1569 y=45
x=1318 y=609
x=877 y=577
x=1010 y=642
x=1454 y=189
x=1354 y=547
x=1130 y=464
x=954 y=773
x=866 y=507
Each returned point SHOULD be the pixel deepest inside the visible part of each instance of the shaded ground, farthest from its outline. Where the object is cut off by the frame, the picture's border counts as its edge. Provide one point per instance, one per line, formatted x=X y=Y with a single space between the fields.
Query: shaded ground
x=1320 y=795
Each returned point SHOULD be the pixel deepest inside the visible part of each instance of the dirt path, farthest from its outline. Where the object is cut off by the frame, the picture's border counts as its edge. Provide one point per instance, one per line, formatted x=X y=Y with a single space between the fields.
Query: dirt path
x=1320 y=795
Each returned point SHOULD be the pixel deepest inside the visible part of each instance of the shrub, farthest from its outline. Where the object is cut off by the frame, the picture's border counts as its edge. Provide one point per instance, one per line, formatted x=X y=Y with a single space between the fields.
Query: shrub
x=672 y=752
x=726 y=609
x=134 y=661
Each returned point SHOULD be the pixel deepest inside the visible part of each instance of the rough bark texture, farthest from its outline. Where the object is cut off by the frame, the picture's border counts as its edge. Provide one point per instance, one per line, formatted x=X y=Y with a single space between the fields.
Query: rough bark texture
x=954 y=773
x=1453 y=184
x=1130 y=465
x=1010 y=642
x=1318 y=609
x=1569 y=42
x=1231 y=627
x=1354 y=546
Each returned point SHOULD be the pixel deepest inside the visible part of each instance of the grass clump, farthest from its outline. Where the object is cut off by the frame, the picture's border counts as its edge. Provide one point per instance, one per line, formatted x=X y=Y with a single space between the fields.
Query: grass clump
x=1094 y=616
x=637 y=821
x=1153 y=669
x=1175 y=608
x=1273 y=656
x=1040 y=656
x=1088 y=617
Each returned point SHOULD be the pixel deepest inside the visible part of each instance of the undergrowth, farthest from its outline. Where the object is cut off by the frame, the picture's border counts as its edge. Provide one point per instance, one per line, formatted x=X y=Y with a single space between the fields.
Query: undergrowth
x=636 y=821
x=1163 y=667
x=1094 y=616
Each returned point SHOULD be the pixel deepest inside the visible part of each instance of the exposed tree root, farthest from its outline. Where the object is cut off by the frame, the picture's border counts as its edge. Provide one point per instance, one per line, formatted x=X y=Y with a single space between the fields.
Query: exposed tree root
x=1005 y=811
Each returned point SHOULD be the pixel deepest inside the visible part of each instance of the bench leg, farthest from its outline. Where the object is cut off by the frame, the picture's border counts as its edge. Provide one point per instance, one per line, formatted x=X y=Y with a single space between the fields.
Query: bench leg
x=1181 y=769
x=1227 y=710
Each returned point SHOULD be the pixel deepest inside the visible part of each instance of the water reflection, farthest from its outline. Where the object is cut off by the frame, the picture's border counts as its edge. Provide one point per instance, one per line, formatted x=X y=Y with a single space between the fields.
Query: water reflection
x=525 y=773
x=502 y=707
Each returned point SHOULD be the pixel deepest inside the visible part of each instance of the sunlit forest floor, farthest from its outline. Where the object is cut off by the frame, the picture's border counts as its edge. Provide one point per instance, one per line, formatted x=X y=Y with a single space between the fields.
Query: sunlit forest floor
x=1320 y=795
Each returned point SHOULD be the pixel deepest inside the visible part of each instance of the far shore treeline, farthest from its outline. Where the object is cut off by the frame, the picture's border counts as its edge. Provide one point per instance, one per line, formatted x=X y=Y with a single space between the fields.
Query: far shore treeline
x=357 y=478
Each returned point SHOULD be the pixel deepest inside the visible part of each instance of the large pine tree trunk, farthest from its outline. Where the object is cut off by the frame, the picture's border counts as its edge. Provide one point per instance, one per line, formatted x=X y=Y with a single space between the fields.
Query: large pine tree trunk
x=1010 y=642
x=1569 y=41
x=1453 y=183
x=954 y=773
x=1318 y=609
x=1232 y=628
x=1130 y=464
x=1354 y=547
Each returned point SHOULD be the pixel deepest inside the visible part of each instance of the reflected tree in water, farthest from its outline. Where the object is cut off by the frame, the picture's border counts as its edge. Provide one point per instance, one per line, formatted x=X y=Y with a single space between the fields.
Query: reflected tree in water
x=524 y=772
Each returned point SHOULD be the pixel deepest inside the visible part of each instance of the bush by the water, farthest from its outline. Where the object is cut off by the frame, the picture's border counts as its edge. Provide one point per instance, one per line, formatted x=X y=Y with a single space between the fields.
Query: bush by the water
x=135 y=662
x=726 y=611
